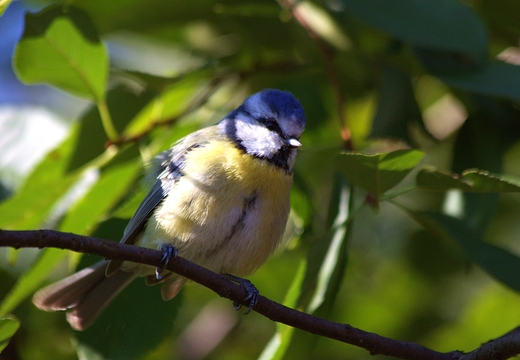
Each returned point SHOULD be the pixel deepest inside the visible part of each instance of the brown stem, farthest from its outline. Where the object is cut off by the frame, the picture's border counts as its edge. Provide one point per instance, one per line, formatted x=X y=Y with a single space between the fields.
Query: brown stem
x=195 y=104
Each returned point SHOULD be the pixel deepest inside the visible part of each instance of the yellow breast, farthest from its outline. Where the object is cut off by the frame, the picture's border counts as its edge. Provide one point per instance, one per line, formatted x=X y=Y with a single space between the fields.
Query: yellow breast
x=227 y=212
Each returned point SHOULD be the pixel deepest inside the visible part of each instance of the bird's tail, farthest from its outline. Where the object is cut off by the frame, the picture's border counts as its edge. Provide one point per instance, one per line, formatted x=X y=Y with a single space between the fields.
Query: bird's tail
x=85 y=294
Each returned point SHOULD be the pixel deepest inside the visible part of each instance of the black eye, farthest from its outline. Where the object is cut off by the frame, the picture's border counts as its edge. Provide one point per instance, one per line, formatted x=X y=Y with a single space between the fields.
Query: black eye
x=272 y=125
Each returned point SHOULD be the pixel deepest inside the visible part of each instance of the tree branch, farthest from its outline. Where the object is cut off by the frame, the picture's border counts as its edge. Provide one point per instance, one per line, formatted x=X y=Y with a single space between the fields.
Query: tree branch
x=505 y=347
x=501 y=348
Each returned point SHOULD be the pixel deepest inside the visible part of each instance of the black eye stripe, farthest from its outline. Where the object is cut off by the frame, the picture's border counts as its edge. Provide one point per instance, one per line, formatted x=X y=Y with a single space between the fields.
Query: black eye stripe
x=272 y=125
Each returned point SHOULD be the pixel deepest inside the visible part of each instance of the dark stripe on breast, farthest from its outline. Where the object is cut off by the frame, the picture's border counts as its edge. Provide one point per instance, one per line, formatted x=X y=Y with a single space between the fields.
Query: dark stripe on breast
x=248 y=205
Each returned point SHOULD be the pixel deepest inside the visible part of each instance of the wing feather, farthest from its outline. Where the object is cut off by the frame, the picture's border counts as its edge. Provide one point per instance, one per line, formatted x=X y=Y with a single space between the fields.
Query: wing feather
x=167 y=168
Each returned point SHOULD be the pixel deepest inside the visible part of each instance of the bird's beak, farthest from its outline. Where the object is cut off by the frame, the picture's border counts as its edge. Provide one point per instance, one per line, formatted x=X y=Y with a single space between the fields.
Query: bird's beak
x=294 y=143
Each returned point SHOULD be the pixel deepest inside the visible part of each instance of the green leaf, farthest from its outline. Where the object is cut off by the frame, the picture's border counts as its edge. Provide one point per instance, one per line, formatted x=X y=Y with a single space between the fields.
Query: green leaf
x=277 y=346
x=396 y=108
x=172 y=102
x=489 y=182
x=496 y=261
x=378 y=173
x=472 y=180
x=134 y=323
x=60 y=47
x=495 y=79
x=480 y=208
x=481 y=142
x=431 y=179
x=8 y=327
x=334 y=263
x=30 y=207
x=433 y=24
x=124 y=104
x=32 y=279
x=107 y=192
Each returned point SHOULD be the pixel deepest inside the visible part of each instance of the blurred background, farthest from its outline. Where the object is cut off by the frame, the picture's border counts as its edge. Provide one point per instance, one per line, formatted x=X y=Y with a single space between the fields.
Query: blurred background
x=372 y=76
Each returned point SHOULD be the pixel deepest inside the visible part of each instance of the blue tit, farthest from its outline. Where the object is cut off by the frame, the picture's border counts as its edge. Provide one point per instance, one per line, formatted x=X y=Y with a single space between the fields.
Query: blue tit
x=220 y=198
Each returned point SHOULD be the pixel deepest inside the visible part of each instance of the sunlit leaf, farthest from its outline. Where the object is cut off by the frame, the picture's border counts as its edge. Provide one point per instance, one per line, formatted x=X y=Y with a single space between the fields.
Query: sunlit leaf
x=3 y=5
x=60 y=47
x=108 y=191
x=169 y=104
x=124 y=104
x=379 y=172
x=472 y=180
x=8 y=327
x=48 y=182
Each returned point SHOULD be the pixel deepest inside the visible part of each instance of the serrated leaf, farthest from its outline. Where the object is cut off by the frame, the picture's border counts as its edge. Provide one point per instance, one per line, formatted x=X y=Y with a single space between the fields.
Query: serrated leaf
x=8 y=327
x=378 y=173
x=472 y=180
x=489 y=182
x=496 y=261
x=481 y=143
x=431 y=179
x=60 y=46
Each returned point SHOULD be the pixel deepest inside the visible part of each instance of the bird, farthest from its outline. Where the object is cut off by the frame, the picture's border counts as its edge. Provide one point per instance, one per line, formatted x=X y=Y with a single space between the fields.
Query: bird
x=220 y=198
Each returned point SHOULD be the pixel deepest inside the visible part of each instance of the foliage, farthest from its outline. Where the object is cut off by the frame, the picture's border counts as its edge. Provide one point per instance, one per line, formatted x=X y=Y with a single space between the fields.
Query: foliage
x=405 y=243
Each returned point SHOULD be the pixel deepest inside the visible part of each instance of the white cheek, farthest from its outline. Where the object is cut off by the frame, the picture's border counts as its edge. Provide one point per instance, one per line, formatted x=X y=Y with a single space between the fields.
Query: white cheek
x=258 y=140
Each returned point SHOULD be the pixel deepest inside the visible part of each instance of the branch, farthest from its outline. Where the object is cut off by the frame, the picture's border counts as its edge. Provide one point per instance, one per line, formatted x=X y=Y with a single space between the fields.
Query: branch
x=197 y=101
x=501 y=348
x=505 y=347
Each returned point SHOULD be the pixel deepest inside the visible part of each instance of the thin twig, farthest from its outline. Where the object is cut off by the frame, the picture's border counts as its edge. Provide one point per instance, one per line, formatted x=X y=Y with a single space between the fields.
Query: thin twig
x=327 y=53
x=197 y=101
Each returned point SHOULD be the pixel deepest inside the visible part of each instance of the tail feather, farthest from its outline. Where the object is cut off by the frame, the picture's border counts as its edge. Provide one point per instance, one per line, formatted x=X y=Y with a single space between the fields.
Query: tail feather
x=88 y=309
x=67 y=293
x=86 y=293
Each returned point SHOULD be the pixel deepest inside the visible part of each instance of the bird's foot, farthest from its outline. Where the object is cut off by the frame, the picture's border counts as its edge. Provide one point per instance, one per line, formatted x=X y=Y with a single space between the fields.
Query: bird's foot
x=169 y=252
x=252 y=292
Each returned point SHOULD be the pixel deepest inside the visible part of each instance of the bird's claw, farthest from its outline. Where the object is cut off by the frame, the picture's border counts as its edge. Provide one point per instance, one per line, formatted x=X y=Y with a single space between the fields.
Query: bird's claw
x=252 y=293
x=169 y=252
